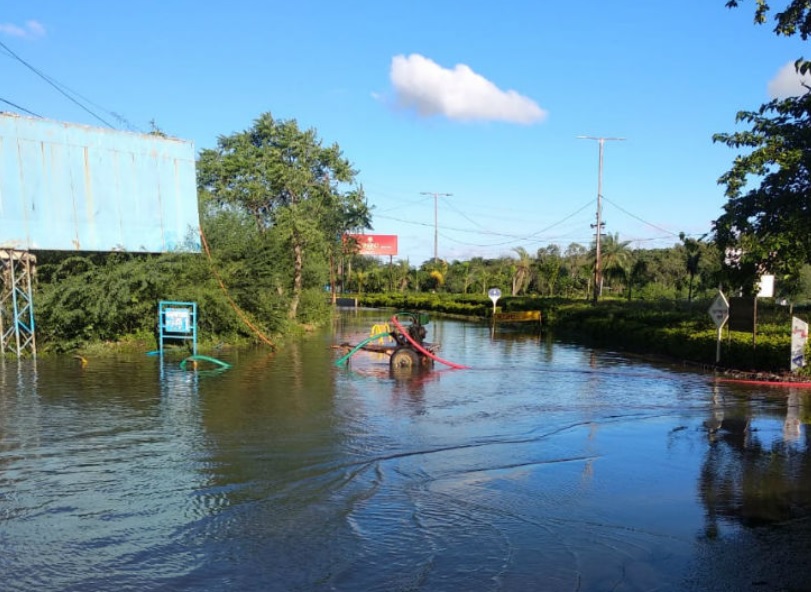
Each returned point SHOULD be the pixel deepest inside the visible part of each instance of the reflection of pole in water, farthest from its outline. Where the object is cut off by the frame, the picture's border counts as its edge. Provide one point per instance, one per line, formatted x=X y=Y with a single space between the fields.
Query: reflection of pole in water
x=714 y=423
x=792 y=428
x=588 y=468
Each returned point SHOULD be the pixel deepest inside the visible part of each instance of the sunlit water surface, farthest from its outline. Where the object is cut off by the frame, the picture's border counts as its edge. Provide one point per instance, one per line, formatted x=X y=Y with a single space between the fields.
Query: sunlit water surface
x=545 y=466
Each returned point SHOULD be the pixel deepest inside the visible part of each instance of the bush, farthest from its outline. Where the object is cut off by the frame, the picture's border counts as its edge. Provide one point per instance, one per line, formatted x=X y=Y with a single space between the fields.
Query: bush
x=677 y=329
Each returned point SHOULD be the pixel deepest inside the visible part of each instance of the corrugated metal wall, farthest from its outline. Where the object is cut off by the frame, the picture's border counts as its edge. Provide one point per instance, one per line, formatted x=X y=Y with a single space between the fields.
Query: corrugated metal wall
x=71 y=187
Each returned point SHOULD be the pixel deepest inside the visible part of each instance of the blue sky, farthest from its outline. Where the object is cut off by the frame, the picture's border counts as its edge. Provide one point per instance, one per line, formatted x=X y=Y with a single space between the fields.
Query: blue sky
x=484 y=101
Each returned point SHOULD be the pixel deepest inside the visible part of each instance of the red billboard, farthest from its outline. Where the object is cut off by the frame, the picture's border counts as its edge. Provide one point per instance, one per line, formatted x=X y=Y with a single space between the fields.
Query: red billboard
x=376 y=244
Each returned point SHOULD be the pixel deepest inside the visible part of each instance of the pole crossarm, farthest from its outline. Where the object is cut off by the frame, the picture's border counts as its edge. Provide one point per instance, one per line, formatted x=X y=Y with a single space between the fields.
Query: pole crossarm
x=598 y=272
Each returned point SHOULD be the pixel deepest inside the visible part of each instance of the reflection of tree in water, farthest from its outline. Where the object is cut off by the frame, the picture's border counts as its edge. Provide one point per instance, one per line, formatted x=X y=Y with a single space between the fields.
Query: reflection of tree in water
x=747 y=479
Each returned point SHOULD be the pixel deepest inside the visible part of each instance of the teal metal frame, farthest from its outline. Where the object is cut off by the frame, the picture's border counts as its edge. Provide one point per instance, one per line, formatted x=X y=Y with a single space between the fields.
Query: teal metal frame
x=177 y=321
x=17 y=329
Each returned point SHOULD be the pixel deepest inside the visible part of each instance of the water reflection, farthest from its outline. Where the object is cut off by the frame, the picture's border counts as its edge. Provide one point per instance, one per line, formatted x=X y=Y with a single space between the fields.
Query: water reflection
x=754 y=471
x=755 y=485
x=546 y=466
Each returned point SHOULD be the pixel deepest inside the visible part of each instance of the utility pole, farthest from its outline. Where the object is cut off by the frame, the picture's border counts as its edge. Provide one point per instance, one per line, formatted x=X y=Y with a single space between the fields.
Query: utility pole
x=598 y=271
x=436 y=223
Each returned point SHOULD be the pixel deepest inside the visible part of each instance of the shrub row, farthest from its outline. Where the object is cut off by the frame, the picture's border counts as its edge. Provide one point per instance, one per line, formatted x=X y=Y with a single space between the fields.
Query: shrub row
x=676 y=329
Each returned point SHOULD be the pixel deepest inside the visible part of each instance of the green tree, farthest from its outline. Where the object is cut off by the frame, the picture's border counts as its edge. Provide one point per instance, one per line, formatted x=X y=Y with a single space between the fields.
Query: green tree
x=549 y=268
x=795 y=19
x=344 y=213
x=616 y=258
x=637 y=275
x=522 y=273
x=576 y=272
x=766 y=227
x=403 y=275
x=288 y=182
x=459 y=278
x=433 y=275
x=481 y=273
x=692 y=258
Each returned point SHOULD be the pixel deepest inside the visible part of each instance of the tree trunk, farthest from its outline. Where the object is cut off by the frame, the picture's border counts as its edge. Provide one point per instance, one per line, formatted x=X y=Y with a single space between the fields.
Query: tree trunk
x=298 y=276
x=332 y=275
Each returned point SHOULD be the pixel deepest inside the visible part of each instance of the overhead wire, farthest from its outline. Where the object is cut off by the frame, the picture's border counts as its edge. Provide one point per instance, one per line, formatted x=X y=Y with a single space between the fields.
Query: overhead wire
x=534 y=235
x=56 y=85
x=512 y=238
x=627 y=213
x=16 y=106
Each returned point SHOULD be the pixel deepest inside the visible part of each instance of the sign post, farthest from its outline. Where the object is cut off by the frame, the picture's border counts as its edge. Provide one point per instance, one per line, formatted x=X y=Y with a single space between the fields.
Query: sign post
x=177 y=320
x=799 y=337
x=494 y=294
x=719 y=312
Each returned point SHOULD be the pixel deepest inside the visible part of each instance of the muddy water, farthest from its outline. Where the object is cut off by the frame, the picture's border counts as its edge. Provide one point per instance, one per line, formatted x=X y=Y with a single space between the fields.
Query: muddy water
x=545 y=466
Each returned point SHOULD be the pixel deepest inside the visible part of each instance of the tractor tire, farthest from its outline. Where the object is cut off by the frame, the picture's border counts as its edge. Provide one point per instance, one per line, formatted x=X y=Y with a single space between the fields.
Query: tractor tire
x=404 y=358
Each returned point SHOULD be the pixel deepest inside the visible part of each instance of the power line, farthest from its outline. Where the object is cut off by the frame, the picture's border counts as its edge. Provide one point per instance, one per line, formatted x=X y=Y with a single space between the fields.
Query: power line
x=54 y=84
x=536 y=237
x=464 y=215
x=406 y=205
x=624 y=211
x=16 y=106
x=512 y=236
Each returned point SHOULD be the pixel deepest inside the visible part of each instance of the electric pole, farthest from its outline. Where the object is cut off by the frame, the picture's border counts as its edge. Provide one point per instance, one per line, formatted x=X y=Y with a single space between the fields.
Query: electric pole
x=598 y=271
x=436 y=223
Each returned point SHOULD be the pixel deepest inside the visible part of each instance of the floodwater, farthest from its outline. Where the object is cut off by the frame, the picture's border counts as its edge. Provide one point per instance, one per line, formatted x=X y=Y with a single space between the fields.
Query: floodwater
x=545 y=466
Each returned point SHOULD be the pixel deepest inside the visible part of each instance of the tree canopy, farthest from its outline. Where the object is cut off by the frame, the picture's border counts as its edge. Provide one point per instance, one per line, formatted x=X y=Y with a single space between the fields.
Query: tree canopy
x=287 y=181
x=795 y=19
x=767 y=226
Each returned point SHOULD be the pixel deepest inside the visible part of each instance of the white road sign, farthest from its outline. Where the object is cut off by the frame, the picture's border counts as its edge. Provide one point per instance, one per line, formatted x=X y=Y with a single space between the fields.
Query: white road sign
x=719 y=310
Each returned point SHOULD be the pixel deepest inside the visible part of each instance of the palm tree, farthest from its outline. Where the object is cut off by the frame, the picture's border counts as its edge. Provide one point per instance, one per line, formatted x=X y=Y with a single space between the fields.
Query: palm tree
x=522 y=273
x=402 y=276
x=361 y=277
x=692 y=249
x=615 y=258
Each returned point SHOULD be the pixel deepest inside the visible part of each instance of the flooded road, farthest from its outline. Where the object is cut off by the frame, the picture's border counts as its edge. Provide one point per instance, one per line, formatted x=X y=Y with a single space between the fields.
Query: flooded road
x=545 y=466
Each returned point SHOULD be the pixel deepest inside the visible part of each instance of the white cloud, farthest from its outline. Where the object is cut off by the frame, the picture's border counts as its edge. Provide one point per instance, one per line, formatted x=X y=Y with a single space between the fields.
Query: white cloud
x=787 y=83
x=31 y=30
x=428 y=88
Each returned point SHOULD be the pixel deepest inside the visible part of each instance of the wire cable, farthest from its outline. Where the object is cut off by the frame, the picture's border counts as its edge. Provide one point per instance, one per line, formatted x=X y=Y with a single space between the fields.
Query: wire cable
x=54 y=84
x=16 y=106
x=627 y=213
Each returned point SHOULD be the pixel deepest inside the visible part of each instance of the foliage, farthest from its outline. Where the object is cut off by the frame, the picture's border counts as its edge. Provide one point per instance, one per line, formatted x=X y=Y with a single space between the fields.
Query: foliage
x=769 y=224
x=84 y=299
x=616 y=258
x=289 y=183
x=795 y=19
x=766 y=227
x=678 y=330
x=276 y=205
x=522 y=274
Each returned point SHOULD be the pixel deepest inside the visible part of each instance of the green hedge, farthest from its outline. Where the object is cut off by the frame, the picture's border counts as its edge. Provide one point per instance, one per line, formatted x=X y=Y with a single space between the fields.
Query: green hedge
x=676 y=329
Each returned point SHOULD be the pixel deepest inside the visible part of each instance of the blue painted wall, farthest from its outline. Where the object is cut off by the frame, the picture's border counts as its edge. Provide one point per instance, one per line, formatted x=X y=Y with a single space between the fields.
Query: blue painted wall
x=65 y=186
